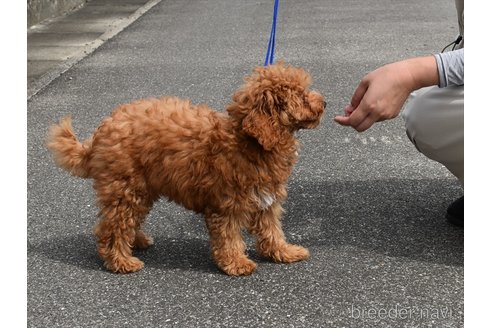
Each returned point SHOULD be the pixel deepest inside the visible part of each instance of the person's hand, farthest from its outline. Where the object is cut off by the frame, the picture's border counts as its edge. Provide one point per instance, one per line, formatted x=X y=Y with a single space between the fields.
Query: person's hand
x=382 y=93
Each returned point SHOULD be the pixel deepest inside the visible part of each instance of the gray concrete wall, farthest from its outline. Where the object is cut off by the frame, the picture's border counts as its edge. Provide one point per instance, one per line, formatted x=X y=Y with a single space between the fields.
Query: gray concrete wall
x=39 y=10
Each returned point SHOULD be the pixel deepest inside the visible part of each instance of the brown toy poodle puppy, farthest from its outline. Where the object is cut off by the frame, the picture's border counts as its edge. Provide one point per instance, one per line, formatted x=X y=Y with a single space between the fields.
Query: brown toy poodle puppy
x=231 y=167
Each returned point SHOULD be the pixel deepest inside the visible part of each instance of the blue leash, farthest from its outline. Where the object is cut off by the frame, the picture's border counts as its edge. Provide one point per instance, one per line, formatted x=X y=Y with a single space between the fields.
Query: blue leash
x=271 y=44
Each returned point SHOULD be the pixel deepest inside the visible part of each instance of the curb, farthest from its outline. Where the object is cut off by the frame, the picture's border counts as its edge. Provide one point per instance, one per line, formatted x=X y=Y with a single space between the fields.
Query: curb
x=48 y=77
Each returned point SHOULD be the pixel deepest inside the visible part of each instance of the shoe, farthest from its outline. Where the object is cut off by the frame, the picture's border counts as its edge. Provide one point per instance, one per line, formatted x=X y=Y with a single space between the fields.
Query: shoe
x=455 y=212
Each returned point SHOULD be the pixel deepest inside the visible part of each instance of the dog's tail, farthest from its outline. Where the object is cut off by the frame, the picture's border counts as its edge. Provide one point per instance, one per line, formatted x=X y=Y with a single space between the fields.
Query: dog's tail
x=67 y=151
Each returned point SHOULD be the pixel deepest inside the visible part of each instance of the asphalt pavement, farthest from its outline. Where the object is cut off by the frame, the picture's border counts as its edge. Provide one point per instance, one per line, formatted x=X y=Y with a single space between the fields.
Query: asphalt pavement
x=369 y=206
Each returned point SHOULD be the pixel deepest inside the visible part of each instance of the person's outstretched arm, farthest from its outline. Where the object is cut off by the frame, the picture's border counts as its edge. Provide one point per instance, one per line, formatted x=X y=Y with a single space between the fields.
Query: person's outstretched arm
x=382 y=93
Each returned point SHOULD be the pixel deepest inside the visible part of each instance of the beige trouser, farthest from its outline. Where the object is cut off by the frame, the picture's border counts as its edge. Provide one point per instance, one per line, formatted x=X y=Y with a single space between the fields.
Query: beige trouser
x=434 y=119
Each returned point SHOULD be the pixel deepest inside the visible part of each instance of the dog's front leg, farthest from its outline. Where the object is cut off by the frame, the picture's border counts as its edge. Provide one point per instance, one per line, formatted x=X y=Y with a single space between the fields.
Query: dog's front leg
x=228 y=247
x=271 y=240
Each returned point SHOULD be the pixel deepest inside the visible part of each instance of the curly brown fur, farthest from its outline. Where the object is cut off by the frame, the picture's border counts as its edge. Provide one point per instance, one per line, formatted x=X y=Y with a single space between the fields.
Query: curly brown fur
x=231 y=167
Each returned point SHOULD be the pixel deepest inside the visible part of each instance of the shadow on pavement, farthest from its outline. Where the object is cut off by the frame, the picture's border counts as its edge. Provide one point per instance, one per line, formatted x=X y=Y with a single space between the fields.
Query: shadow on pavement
x=166 y=254
x=396 y=218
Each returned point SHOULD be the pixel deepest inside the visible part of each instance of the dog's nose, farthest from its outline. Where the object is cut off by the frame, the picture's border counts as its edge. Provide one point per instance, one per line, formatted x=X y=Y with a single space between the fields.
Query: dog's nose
x=324 y=104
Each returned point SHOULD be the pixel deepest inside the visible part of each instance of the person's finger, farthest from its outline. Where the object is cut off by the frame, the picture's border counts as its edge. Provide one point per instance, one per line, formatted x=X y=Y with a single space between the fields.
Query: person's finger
x=348 y=110
x=359 y=93
x=357 y=116
x=342 y=120
x=355 y=119
x=368 y=121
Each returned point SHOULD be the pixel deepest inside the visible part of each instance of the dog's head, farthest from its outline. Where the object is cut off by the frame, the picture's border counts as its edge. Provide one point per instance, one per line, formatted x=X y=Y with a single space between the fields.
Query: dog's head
x=274 y=102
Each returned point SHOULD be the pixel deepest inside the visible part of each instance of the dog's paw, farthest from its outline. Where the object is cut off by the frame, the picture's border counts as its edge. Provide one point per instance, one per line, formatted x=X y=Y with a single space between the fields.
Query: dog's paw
x=142 y=240
x=288 y=253
x=239 y=267
x=126 y=265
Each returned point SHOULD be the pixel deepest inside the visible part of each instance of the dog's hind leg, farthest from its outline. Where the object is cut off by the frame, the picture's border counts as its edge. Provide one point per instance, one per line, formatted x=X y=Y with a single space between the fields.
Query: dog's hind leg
x=122 y=212
x=142 y=240
x=228 y=247
x=271 y=240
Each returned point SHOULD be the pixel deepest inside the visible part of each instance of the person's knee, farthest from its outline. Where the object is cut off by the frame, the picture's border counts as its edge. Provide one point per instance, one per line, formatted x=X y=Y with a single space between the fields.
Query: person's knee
x=434 y=122
x=416 y=114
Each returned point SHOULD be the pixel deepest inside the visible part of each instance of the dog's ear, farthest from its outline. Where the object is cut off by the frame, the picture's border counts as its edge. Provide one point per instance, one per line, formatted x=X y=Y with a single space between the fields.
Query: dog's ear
x=262 y=123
